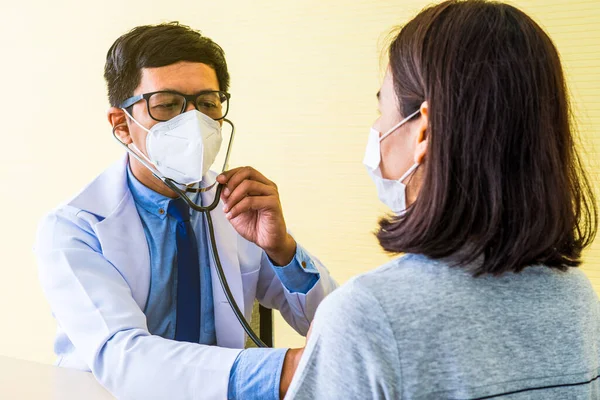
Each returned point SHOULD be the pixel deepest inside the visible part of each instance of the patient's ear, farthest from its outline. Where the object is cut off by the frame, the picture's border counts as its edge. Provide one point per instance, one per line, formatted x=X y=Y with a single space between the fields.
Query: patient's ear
x=118 y=120
x=422 y=137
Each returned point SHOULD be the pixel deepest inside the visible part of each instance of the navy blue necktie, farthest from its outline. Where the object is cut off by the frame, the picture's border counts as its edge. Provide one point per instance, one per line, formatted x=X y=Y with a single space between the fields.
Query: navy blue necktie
x=188 y=275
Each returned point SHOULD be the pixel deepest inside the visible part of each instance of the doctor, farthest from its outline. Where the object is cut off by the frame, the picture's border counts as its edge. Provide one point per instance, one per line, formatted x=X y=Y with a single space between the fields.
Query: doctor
x=127 y=268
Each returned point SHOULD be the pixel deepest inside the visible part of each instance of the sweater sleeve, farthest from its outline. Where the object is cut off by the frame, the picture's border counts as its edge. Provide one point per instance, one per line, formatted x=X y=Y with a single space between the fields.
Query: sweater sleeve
x=351 y=353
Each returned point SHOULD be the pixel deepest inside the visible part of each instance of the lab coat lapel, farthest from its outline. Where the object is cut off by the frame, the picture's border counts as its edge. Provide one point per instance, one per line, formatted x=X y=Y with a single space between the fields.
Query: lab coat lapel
x=120 y=233
x=124 y=245
x=229 y=331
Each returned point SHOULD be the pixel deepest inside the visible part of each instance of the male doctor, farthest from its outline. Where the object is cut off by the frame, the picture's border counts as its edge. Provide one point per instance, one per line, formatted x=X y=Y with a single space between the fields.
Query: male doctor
x=127 y=268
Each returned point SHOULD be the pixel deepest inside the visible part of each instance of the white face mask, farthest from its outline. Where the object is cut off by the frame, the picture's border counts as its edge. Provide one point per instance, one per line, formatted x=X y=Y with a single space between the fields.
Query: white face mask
x=392 y=193
x=183 y=148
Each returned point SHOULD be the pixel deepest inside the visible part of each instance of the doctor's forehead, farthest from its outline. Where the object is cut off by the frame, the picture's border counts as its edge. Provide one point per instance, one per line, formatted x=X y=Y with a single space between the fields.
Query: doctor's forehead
x=185 y=77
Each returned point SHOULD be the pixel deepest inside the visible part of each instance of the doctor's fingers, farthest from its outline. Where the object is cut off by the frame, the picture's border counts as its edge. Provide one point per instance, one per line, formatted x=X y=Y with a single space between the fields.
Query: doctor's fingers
x=253 y=203
x=248 y=188
x=236 y=176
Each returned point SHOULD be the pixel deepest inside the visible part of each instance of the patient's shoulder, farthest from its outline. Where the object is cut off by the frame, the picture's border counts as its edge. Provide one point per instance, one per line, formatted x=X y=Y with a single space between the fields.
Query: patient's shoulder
x=350 y=307
x=372 y=298
x=392 y=289
x=409 y=266
x=351 y=352
x=404 y=275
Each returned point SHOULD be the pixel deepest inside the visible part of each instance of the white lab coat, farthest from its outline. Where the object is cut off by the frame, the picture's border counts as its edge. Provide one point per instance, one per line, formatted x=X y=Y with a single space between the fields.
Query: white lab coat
x=94 y=268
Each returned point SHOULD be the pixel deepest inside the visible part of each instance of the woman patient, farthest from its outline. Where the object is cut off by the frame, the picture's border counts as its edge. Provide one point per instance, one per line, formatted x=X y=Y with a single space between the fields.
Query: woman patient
x=475 y=153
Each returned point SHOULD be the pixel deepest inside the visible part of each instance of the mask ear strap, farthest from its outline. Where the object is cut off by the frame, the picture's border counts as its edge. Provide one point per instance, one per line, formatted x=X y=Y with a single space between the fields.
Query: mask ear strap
x=140 y=153
x=134 y=120
x=141 y=157
x=399 y=124
x=409 y=172
x=135 y=148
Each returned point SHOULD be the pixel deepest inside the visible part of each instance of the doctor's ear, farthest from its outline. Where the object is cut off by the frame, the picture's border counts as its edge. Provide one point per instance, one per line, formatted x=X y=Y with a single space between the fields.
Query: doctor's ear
x=118 y=120
x=422 y=138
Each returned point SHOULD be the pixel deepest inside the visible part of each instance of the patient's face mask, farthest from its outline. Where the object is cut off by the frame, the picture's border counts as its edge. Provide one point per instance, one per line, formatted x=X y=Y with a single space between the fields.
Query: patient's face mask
x=391 y=192
x=183 y=148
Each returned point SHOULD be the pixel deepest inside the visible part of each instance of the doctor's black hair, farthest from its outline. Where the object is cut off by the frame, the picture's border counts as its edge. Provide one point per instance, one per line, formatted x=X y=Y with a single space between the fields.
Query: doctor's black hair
x=152 y=46
x=503 y=186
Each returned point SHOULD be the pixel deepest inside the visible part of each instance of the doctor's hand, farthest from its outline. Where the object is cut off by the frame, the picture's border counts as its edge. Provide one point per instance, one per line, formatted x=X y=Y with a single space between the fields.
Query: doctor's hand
x=252 y=206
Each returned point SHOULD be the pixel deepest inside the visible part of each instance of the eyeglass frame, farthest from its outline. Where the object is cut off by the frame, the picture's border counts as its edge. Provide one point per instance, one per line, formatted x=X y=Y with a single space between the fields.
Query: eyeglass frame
x=128 y=103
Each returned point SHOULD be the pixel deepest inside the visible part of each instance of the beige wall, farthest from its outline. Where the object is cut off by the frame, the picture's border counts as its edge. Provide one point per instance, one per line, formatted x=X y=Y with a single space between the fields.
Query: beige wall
x=304 y=77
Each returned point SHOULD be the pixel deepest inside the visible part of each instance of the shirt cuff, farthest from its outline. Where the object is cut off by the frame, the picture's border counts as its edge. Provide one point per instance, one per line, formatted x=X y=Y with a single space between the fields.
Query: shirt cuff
x=256 y=374
x=300 y=275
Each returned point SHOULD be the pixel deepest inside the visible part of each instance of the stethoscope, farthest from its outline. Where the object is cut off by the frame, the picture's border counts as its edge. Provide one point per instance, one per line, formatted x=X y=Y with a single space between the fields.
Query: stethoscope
x=174 y=186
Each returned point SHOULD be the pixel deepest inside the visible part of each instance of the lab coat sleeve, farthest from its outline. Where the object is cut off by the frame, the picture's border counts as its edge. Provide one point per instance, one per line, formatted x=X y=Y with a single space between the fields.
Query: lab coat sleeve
x=93 y=304
x=297 y=308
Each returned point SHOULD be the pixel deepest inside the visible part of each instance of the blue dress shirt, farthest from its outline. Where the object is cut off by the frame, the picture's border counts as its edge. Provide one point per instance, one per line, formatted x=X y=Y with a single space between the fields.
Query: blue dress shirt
x=160 y=229
x=256 y=372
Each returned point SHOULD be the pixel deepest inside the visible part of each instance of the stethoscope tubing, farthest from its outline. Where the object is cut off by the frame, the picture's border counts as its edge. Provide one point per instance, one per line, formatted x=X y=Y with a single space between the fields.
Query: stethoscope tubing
x=206 y=210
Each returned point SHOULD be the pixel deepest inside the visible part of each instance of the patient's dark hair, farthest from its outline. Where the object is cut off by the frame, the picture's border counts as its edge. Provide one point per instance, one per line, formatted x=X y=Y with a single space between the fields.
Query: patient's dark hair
x=502 y=180
x=152 y=46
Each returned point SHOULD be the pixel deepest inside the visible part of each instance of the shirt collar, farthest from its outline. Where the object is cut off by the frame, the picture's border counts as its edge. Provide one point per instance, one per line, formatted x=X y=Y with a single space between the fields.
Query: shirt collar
x=151 y=201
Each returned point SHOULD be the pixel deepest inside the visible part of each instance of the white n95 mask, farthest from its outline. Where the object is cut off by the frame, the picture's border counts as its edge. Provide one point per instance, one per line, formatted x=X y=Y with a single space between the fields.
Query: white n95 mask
x=183 y=148
x=392 y=193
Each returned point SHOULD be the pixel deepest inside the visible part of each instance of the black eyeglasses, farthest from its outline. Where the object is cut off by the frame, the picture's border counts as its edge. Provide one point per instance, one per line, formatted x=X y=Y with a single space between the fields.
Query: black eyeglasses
x=166 y=104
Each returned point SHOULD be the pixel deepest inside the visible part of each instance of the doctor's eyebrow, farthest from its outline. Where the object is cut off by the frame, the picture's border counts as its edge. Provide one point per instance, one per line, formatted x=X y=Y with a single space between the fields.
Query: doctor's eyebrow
x=168 y=89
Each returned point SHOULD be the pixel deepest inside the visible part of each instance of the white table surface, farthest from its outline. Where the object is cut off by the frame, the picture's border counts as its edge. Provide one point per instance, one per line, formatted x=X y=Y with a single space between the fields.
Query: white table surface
x=25 y=380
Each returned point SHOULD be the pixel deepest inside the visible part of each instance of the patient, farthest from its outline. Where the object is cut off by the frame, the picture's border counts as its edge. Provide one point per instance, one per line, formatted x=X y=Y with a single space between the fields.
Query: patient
x=475 y=154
